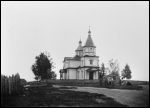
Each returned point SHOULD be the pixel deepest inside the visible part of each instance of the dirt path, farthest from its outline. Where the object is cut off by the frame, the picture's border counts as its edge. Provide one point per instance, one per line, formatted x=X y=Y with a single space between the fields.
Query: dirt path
x=132 y=98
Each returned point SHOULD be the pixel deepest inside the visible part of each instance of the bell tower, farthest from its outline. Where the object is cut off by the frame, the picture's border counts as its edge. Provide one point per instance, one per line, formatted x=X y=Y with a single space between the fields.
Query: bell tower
x=89 y=47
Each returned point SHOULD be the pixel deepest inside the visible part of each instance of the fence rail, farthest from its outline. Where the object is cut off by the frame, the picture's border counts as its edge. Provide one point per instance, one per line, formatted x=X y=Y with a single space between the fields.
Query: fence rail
x=10 y=85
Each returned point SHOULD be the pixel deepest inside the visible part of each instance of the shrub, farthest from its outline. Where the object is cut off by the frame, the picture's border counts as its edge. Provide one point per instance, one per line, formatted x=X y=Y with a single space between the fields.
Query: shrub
x=128 y=84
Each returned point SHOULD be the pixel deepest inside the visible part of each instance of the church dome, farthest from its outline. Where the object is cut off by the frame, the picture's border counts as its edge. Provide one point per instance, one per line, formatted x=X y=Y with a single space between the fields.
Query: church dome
x=80 y=48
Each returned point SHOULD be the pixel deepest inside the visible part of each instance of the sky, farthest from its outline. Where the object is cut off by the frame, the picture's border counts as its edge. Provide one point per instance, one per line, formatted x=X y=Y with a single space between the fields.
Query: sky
x=120 y=31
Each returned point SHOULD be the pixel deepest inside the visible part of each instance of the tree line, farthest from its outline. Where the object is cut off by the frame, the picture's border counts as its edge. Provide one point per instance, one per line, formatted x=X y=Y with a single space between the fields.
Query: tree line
x=112 y=72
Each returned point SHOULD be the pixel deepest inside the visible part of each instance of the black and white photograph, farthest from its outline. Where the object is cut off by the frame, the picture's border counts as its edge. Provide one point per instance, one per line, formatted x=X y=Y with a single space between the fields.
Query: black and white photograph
x=74 y=53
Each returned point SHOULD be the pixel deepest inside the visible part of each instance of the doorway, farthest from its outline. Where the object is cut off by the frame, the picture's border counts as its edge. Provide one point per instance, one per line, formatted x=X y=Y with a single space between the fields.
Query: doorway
x=90 y=75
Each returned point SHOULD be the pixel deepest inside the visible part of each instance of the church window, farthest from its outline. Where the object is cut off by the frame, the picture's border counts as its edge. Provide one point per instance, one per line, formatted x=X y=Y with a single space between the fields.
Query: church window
x=91 y=62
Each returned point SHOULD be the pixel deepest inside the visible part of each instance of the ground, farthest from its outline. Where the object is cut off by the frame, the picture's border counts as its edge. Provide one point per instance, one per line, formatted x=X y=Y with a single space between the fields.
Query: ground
x=51 y=96
x=132 y=98
x=61 y=96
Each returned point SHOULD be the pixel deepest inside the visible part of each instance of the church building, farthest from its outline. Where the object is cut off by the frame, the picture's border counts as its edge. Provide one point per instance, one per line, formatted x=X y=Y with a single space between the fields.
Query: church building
x=85 y=63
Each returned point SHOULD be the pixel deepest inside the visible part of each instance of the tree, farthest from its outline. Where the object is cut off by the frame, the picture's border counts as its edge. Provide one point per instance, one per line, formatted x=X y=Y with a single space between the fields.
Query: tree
x=42 y=68
x=101 y=73
x=54 y=75
x=114 y=68
x=126 y=72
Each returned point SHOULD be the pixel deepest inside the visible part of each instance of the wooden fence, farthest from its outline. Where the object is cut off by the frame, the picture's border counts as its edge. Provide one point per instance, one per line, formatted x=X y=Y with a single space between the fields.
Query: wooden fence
x=10 y=85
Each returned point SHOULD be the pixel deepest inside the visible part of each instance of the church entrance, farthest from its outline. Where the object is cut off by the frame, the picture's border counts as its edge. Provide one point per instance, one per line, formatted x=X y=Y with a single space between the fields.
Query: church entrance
x=90 y=75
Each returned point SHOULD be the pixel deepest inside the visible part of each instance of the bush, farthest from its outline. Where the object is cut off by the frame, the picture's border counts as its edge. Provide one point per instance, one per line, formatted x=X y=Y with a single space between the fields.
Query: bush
x=128 y=84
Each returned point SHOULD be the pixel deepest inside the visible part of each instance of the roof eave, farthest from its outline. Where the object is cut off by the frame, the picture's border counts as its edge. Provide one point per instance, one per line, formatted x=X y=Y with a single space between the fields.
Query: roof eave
x=89 y=46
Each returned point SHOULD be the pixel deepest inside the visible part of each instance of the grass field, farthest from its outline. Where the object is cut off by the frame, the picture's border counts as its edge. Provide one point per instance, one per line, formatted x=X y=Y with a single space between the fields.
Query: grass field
x=132 y=98
x=95 y=83
x=80 y=93
x=50 y=96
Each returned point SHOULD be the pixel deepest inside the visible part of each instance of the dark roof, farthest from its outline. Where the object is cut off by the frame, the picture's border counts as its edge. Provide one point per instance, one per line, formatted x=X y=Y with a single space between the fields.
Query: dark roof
x=73 y=58
x=80 y=48
x=89 y=42
x=63 y=71
x=91 y=67
x=90 y=56
x=77 y=57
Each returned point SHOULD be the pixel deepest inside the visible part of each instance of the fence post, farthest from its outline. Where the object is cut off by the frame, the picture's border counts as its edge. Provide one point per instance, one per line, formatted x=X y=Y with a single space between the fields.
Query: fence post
x=9 y=85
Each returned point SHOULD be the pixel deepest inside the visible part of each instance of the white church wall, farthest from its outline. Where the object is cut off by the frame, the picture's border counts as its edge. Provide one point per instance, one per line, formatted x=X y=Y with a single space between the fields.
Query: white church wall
x=87 y=61
x=95 y=75
x=66 y=64
x=89 y=51
x=71 y=63
x=64 y=76
x=82 y=62
x=79 y=53
x=72 y=73
x=68 y=74
x=84 y=74
x=87 y=75
x=80 y=75
x=74 y=63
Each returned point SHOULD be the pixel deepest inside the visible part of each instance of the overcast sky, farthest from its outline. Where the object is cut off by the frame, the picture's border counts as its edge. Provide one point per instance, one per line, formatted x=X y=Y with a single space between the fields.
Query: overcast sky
x=120 y=30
